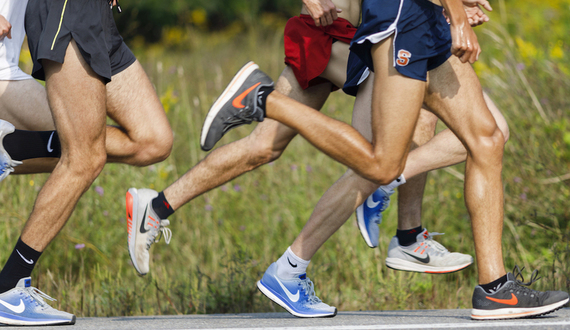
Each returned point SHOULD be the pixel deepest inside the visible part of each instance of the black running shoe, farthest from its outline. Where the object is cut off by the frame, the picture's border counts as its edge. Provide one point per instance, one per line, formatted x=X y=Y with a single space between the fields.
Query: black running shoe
x=514 y=300
x=238 y=105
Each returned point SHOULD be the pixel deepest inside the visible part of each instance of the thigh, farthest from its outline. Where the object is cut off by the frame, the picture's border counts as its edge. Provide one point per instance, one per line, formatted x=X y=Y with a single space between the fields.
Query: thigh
x=133 y=103
x=76 y=97
x=314 y=97
x=24 y=103
x=396 y=103
x=454 y=94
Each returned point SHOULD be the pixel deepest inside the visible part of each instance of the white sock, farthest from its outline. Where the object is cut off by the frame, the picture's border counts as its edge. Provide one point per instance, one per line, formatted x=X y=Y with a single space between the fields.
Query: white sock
x=290 y=266
x=394 y=184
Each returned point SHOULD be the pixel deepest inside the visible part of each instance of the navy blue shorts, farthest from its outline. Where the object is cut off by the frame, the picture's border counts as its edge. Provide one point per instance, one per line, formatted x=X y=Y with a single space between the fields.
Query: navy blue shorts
x=50 y=25
x=422 y=39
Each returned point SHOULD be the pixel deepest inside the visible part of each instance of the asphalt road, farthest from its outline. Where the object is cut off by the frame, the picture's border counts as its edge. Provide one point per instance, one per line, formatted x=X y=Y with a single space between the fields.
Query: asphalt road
x=371 y=320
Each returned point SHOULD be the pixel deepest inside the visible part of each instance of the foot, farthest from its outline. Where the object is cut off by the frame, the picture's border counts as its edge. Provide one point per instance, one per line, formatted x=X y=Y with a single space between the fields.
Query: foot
x=6 y=163
x=514 y=300
x=25 y=305
x=369 y=215
x=296 y=295
x=144 y=227
x=425 y=256
x=236 y=106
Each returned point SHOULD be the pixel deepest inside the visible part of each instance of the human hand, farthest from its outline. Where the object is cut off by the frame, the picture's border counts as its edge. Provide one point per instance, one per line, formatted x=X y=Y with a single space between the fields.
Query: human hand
x=464 y=43
x=475 y=15
x=324 y=12
x=5 y=28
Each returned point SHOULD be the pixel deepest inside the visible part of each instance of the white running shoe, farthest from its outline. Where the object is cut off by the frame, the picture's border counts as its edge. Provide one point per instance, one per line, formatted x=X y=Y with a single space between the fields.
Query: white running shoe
x=144 y=227
x=6 y=163
x=425 y=256
x=25 y=305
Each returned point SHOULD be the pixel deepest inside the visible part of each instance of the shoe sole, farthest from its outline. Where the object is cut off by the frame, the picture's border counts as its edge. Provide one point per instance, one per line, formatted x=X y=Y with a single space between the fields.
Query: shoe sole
x=271 y=295
x=362 y=226
x=227 y=95
x=515 y=313
x=132 y=225
x=399 y=264
x=9 y=321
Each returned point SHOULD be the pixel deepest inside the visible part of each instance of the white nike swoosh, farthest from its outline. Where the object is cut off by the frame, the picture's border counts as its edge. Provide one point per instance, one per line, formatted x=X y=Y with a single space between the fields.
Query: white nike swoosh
x=292 y=297
x=370 y=203
x=16 y=309
x=49 y=142
x=30 y=262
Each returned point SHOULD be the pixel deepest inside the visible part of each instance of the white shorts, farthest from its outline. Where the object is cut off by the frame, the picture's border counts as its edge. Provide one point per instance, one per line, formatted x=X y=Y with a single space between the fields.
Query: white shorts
x=14 y=11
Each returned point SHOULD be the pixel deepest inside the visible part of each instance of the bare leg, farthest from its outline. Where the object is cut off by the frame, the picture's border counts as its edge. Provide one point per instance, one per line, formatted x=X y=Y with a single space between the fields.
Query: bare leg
x=77 y=99
x=411 y=194
x=484 y=143
x=266 y=143
x=131 y=102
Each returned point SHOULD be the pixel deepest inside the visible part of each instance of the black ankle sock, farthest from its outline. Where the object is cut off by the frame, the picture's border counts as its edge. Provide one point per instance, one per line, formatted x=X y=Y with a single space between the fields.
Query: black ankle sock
x=408 y=237
x=264 y=92
x=494 y=286
x=22 y=145
x=161 y=206
x=20 y=264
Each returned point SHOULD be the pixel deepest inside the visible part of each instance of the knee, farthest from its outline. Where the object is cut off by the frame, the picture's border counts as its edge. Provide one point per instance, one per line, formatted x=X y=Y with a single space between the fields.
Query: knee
x=262 y=151
x=383 y=174
x=490 y=146
x=504 y=127
x=85 y=164
x=155 y=148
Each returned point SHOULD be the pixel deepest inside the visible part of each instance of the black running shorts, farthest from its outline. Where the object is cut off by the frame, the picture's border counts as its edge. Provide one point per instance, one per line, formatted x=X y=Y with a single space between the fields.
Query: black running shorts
x=51 y=24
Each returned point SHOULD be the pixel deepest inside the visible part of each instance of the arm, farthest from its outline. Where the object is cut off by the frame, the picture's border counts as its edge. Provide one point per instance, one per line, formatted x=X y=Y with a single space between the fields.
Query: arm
x=324 y=12
x=5 y=28
x=464 y=41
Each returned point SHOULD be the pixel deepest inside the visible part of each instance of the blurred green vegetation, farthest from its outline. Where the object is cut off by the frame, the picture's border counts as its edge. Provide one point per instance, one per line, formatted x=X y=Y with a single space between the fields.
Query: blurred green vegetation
x=224 y=240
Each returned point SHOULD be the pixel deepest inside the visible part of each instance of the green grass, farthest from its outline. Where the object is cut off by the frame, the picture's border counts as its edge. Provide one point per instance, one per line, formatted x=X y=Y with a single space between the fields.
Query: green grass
x=224 y=240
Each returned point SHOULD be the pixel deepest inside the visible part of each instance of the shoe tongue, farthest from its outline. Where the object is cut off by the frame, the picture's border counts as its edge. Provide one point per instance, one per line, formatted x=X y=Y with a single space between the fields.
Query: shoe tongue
x=511 y=277
x=303 y=276
x=24 y=282
x=422 y=236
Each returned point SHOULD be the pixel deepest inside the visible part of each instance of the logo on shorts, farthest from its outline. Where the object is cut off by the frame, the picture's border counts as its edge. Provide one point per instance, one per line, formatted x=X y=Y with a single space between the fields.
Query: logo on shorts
x=403 y=57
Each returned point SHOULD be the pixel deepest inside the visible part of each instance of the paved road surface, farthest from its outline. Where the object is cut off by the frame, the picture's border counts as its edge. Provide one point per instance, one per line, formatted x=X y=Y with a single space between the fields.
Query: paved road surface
x=457 y=319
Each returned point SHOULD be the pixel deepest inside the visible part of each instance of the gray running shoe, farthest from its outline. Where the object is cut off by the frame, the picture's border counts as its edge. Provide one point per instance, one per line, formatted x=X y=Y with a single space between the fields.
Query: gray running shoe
x=6 y=163
x=238 y=105
x=425 y=256
x=514 y=300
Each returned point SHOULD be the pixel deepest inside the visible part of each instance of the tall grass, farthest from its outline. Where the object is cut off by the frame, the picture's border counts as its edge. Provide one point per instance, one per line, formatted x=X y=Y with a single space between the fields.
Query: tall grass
x=224 y=240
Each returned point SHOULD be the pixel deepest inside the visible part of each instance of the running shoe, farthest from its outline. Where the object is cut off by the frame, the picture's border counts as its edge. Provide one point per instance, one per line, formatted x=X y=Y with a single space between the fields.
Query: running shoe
x=369 y=215
x=515 y=300
x=25 y=305
x=236 y=106
x=144 y=227
x=296 y=295
x=6 y=163
x=425 y=256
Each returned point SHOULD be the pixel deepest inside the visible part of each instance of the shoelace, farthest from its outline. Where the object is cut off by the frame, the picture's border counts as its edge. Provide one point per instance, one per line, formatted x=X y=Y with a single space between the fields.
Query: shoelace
x=518 y=273
x=154 y=237
x=38 y=296
x=243 y=116
x=309 y=288
x=6 y=168
x=435 y=245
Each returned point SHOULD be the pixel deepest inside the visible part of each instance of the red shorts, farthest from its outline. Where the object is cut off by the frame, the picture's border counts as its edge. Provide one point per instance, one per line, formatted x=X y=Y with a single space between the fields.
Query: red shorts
x=308 y=47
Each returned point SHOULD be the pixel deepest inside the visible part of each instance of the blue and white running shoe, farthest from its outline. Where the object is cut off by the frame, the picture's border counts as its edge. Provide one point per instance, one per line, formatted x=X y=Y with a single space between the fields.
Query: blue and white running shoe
x=369 y=215
x=6 y=163
x=25 y=305
x=297 y=295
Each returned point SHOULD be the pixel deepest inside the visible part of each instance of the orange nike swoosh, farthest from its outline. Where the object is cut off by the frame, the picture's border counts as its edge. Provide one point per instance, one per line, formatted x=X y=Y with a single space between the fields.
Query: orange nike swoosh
x=513 y=301
x=237 y=101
